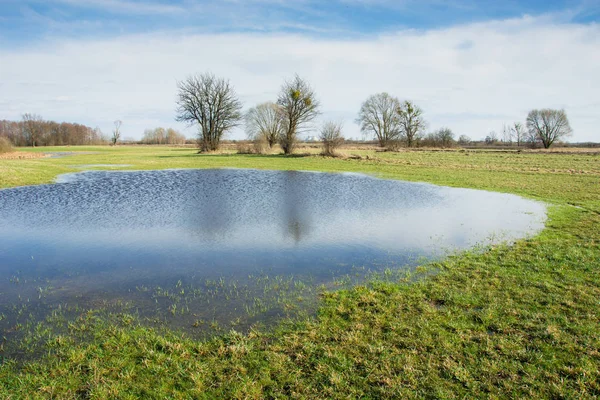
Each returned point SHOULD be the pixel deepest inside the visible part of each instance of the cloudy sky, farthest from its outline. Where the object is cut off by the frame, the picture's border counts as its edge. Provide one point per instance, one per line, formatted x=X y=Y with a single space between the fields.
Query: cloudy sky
x=472 y=65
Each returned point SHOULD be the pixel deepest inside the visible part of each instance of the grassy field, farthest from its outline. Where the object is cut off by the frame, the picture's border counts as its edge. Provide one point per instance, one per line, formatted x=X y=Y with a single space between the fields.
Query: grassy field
x=520 y=321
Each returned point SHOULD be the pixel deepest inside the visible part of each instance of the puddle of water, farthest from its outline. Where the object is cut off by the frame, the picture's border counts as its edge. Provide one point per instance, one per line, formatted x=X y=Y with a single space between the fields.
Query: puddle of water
x=228 y=245
x=61 y=154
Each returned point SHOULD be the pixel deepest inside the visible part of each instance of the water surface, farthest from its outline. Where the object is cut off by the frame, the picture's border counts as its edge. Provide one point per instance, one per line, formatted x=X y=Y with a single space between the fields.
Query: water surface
x=98 y=236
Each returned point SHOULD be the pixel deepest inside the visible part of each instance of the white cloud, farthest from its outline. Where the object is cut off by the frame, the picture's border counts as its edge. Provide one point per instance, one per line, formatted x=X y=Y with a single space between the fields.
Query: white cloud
x=471 y=78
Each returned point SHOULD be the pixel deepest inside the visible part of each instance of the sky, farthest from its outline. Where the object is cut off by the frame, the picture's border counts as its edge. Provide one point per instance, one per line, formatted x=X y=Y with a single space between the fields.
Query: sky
x=471 y=65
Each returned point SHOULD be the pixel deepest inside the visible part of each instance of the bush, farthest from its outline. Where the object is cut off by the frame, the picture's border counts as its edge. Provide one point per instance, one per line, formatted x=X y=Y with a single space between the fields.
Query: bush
x=257 y=146
x=393 y=145
x=260 y=145
x=443 y=138
x=331 y=136
x=244 y=148
x=5 y=145
x=464 y=140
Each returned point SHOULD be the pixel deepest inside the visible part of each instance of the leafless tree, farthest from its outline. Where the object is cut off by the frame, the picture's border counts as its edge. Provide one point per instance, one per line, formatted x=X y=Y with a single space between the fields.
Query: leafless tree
x=13 y=131
x=445 y=137
x=411 y=120
x=507 y=134
x=299 y=107
x=116 y=134
x=548 y=125
x=331 y=136
x=518 y=132
x=211 y=103
x=162 y=136
x=378 y=116
x=464 y=140
x=491 y=138
x=175 y=137
x=265 y=123
x=33 y=128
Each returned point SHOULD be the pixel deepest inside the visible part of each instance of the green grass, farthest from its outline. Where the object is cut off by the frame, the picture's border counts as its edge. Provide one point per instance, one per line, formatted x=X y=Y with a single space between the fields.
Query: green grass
x=520 y=321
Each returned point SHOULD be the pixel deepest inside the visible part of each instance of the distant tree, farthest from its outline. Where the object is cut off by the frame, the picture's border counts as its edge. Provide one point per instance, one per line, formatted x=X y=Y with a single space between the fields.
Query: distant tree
x=98 y=137
x=264 y=123
x=518 y=132
x=13 y=131
x=445 y=137
x=491 y=138
x=211 y=103
x=378 y=117
x=175 y=137
x=464 y=140
x=162 y=136
x=299 y=107
x=116 y=134
x=411 y=122
x=33 y=129
x=507 y=134
x=548 y=125
x=331 y=136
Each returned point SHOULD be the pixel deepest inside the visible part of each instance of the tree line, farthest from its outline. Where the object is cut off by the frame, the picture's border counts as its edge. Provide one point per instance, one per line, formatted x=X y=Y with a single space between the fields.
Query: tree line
x=212 y=104
x=163 y=136
x=33 y=130
x=541 y=129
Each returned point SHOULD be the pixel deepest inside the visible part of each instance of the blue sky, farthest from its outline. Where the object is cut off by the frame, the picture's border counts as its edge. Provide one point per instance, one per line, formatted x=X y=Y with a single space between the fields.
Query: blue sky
x=25 y=21
x=473 y=65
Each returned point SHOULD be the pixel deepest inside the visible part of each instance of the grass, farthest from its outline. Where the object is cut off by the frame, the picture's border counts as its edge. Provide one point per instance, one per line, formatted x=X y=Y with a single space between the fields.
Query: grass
x=520 y=321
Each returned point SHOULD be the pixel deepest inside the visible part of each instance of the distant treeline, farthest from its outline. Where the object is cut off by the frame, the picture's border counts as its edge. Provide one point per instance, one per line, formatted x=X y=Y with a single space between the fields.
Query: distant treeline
x=163 y=136
x=34 y=131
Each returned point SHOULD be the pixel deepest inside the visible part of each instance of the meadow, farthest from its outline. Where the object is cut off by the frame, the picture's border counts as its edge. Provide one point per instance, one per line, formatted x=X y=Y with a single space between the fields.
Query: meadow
x=514 y=321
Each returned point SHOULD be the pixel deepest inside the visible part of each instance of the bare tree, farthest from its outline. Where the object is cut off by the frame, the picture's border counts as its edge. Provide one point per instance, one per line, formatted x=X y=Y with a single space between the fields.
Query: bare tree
x=265 y=123
x=211 y=103
x=378 y=116
x=445 y=137
x=518 y=132
x=299 y=107
x=411 y=120
x=491 y=138
x=174 y=137
x=548 y=125
x=331 y=136
x=507 y=134
x=33 y=128
x=162 y=136
x=464 y=140
x=116 y=134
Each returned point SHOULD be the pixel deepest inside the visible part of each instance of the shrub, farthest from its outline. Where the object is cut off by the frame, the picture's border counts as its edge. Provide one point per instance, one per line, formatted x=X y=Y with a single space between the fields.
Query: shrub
x=244 y=148
x=260 y=145
x=5 y=145
x=331 y=136
x=393 y=145
x=257 y=146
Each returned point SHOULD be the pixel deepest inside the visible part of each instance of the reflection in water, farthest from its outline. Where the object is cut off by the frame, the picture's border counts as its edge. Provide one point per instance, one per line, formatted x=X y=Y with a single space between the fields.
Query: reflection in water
x=295 y=213
x=104 y=232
